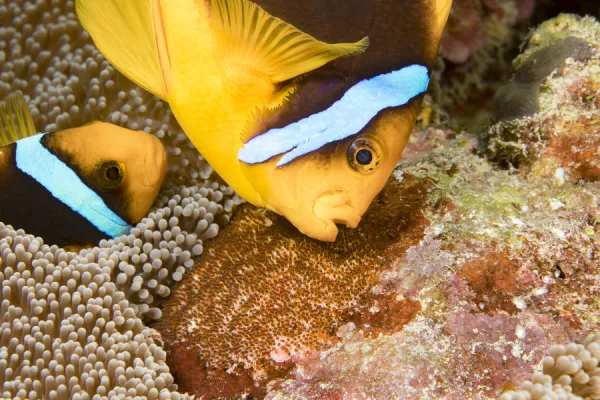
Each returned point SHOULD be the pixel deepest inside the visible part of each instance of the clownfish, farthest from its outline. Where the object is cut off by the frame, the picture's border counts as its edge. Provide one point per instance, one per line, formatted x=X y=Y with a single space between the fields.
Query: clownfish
x=77 y=186
x=308 y=129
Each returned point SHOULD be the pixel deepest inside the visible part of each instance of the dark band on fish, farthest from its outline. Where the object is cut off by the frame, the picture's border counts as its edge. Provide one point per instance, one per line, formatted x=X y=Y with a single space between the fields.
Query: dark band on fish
x=60 y=180
x=403 y=25
x=52 y=220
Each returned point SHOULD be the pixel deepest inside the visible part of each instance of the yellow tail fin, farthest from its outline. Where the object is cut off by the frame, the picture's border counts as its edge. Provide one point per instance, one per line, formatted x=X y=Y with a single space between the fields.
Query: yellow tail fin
x=130 y=35
x=245 y=32
x=15 y=119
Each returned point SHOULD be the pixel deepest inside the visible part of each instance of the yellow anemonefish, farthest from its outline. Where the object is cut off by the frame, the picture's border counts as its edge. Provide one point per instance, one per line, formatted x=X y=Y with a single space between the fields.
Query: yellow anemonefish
x=76 y=186
x=308 y=129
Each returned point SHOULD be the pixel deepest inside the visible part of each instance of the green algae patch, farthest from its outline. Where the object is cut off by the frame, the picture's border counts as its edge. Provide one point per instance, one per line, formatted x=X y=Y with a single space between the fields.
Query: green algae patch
x=486 y=199
x=503 y=207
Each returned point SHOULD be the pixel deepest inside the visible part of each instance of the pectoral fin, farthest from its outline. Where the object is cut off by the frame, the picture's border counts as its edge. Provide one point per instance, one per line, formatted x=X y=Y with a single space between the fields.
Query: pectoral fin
x=129 y=33
x=246 y=33
x=15 y=119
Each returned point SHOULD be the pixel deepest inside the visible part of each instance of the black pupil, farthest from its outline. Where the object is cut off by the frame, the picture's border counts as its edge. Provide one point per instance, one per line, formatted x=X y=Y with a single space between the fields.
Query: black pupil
x=113 y=173
x=364 y=157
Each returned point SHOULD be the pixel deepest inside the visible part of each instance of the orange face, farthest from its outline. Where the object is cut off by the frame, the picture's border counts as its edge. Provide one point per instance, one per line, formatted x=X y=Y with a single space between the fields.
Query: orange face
x=126 y=168
x=336 y=183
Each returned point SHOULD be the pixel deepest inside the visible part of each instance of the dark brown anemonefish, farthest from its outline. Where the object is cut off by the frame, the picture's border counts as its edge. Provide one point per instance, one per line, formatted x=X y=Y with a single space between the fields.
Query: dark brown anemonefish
x=77 y=186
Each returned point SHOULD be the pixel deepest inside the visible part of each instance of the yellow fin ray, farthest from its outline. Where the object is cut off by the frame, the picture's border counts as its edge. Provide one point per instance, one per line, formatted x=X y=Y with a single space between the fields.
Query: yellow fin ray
x=15 y=119
x=246 y=33
x=130 y=35
x=443 y=11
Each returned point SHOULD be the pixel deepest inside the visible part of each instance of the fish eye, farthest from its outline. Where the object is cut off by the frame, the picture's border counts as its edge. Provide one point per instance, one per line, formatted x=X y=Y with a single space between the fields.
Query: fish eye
x=364 y=155
x=109 y=175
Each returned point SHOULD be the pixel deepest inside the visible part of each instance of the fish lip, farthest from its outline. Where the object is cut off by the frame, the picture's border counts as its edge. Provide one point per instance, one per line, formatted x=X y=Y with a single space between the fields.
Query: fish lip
x=333 y=208
x=154 y=160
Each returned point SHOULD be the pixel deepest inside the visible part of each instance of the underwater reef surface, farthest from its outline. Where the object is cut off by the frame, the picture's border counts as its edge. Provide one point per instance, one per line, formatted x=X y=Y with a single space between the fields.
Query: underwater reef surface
x=464 y=273
x=480 y=271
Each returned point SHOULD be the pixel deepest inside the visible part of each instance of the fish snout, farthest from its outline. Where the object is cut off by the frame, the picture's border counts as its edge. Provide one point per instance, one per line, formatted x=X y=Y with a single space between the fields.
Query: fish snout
x=155 y=163
x=334 y=208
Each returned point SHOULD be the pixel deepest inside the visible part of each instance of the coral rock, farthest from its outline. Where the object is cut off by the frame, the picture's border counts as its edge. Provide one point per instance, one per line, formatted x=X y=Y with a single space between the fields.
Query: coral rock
x=550 y=110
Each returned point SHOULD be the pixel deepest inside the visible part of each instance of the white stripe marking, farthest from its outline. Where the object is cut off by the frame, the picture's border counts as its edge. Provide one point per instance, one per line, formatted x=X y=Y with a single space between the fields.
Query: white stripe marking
x=64 y=184
x=346 y=117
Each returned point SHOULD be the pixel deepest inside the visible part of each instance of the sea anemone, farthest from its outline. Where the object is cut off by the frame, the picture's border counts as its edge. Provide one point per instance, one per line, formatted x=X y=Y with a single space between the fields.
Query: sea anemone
x=569 y=372
x=158 y=252
x=47 y=55
x=68 y=332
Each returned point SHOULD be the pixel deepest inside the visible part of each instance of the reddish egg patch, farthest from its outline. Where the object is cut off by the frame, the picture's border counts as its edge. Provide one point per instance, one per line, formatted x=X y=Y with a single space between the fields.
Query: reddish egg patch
x=494 y=282
x=193 y=375
x=265 y=295
x=385 y=315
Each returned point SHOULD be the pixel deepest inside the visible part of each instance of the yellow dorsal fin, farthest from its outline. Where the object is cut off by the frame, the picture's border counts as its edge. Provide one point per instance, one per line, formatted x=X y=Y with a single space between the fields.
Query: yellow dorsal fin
x=15 y=119
x=443 y=10
x=130 y=34
x=247 y=33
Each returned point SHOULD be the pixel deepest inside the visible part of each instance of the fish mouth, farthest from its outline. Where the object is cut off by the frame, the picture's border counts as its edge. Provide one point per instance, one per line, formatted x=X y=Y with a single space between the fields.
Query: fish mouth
x=155 y=162
x=334 y=208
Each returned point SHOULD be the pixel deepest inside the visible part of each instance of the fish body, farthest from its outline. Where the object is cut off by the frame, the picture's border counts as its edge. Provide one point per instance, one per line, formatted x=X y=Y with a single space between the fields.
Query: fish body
x=308 y=129
x=78 y=186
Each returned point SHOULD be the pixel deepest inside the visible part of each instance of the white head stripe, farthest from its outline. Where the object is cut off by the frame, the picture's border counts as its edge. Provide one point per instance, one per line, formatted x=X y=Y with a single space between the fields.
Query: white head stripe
x=346 y=117
x=64 y=184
